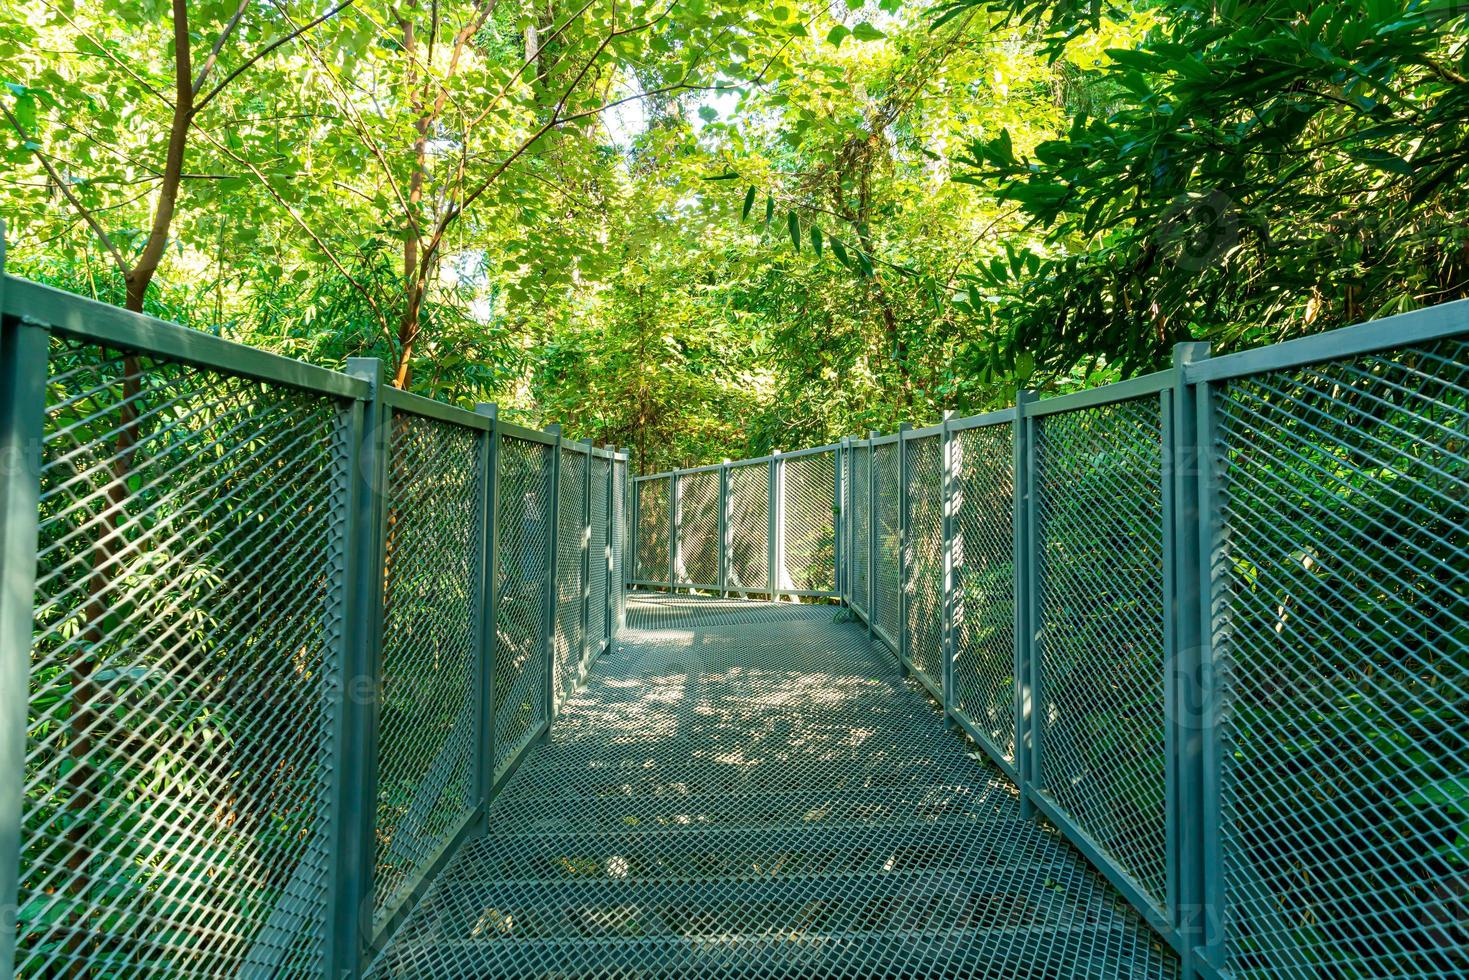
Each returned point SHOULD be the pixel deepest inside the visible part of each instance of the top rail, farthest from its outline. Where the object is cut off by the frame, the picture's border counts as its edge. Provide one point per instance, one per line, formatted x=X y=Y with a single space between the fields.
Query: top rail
x=91 y=320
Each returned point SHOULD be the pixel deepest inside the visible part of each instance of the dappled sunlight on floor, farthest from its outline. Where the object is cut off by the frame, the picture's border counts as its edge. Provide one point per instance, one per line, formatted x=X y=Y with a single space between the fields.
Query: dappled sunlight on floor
x=749 y=788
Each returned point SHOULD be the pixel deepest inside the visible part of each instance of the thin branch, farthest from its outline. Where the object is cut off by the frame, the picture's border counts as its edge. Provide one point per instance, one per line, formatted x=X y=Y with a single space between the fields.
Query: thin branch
x=273 y=45
x=71 y=198
x=219 y=43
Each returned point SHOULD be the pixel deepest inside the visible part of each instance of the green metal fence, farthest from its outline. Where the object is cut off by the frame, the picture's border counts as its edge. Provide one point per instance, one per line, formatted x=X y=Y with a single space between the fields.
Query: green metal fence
x=271 y=639
x=1213 y=622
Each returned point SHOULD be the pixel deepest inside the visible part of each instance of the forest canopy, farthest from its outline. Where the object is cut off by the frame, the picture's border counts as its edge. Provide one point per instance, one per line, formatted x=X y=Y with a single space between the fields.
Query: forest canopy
x=710 y=228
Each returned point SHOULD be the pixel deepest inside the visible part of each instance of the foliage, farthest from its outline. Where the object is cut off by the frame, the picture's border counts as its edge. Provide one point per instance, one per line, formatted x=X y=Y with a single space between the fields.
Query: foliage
x=713 y=228
x=1258 y=170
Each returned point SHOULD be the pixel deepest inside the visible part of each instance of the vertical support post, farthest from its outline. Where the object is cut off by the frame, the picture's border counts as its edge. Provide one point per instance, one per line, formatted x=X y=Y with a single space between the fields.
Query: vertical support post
x=548 y=613
x=1183 y=645
x=1023 y=569
x=772 y=516
x=1212 y=537
x=585 y=600
x=488 y=605
x=23 y=371
x=629 y=539
x=673 y=525
x=724 y=539
x=630 y=568
x=609 y=601
x=948 y=454
x=839 y=513
x=903 y=476
x=872 y=533
x=354 y=811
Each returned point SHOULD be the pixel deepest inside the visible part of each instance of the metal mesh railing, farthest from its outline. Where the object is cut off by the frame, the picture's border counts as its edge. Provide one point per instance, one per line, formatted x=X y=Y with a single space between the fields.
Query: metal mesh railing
x=179 y=742
x=525 y=538
x=1100 y=627
x=619 y=544
x=651 y=557
x=749 y=528
x=598 y=557
x=887 y=569
x=984 y=584
x=697 y=522
x=807 y=521
x=571 y=544
x=265 y=642
x=1341 y=632
x=923 y=565
x=427 y=709
x=861 y=590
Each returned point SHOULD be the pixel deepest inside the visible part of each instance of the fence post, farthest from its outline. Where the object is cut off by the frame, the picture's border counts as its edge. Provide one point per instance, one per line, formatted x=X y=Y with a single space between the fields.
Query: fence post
x=839 y=513
x=630 y=554
x=630 y=530
x=724 y=542
x=772 y=517
x=902 y=636
x=1022 y=559
x=489 y=592
x=586 y=559
x=947 y=643
x=871 y=543
x=673 y=523
x=548 y=620
x=23 y=369
x=1184 y=638
x=354 y=810
x=609 y=602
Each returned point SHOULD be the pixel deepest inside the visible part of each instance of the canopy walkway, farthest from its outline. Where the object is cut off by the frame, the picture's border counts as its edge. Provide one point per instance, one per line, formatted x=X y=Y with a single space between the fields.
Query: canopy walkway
x=303 y=676
x=749 y=789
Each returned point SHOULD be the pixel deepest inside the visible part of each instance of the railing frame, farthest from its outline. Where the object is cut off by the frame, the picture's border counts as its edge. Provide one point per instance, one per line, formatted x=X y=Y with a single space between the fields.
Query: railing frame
x=1190 y=916
x=30 y=314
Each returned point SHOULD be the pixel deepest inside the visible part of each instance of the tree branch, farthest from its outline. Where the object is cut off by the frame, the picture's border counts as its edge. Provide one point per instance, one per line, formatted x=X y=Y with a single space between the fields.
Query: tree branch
x=70 y=196
x=278 y=42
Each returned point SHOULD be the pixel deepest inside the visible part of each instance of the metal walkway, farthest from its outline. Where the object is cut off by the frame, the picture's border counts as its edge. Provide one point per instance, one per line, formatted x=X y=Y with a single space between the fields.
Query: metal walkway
x=749 y=789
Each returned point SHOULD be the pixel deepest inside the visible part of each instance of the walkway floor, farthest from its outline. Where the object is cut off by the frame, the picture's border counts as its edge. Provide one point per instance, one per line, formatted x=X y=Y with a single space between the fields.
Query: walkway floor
x=749 y=789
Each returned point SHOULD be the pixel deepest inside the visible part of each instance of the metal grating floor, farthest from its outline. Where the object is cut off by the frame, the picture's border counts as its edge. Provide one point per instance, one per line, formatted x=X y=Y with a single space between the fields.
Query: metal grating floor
x=747 y=789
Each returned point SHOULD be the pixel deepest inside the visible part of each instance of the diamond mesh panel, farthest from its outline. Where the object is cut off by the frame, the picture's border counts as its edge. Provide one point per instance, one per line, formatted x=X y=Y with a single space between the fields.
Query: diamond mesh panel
x=1341 y=634
x=808 y=555
x=619 y=543
x=698 y=529
x=600 y=562
x=1100 y=512
x=925 y=565
x=749 y=527
x=520 y=666
x=861 y=531
x=182 y=675
x=652 y=556
x=571 y=542
x=885 y=575
x=427 y=711
x=984 y=576
x=751 y=791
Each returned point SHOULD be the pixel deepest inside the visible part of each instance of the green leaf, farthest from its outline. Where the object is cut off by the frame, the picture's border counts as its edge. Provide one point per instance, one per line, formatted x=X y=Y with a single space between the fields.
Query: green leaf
x=794 y=224
x=731 y=175
x=1382 y=160
x=837 y=35
x=708 y=113
x=769 y=211
x=816 y=240
x=25 y=112
x=840 y=251
x=866 y=32
x=749 y=203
